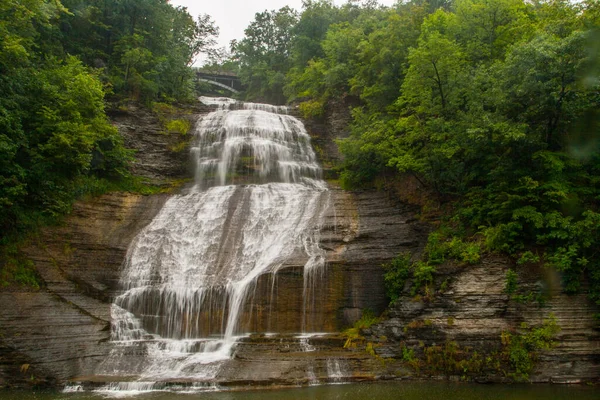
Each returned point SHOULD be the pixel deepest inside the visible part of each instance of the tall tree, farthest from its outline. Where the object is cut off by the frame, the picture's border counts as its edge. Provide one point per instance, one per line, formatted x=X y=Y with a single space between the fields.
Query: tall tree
x=264 y=54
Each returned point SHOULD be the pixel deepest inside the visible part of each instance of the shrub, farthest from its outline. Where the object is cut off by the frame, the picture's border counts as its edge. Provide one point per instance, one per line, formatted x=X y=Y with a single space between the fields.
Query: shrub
x=520 y=349
x=181 y=126
x=17 y=269
x=397 y=272
x=312 y=109
x=367 y=319
x=510 y=285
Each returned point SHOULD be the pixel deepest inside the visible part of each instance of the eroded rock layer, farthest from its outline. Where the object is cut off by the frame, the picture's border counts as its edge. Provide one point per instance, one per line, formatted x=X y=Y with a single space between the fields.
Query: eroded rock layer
x=54 y=333
x=62 y=331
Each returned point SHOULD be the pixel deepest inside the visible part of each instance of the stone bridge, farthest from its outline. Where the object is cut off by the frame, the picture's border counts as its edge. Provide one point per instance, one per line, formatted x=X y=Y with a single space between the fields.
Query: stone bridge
x=224 y=80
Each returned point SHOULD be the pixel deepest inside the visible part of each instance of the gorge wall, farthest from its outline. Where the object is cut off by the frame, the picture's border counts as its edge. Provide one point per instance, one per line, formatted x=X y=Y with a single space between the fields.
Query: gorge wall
x=61 y=332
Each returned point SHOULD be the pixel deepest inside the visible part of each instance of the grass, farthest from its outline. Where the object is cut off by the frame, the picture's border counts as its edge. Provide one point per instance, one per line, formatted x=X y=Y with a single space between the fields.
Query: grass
x=16 y=269
x=353 y=334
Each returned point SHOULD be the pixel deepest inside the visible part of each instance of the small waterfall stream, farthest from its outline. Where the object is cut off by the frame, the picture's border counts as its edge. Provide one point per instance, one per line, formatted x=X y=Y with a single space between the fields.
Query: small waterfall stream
x=257 y=202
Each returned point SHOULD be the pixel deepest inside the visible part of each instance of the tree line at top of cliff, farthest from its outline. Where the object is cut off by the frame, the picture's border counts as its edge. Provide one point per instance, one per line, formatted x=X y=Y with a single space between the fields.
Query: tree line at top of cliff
x=493 y=106
x=59 y=60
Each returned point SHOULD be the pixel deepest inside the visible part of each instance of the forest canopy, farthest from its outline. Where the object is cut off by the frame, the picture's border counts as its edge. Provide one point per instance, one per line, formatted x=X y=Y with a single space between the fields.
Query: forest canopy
x=58 y=63
x=493 y=106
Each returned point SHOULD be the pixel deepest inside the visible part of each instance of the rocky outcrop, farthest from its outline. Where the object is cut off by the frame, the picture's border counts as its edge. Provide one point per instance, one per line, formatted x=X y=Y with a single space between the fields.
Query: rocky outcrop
x=160 y=156
x=62 y=329
x=360 y=232
x=326 y=130
x=61 y=332
x=473 y=311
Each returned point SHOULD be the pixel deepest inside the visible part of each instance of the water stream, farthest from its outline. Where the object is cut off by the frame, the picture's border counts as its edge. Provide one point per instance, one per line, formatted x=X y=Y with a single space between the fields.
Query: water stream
x=257 y=202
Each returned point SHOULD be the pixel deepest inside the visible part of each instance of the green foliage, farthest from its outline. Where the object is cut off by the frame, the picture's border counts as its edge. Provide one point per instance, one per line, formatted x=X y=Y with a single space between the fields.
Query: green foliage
x=146 y=47
x=367 y=319
x=353 y=334
x=443 y=244
x=180 y=126
x=511 y=283
x=490 y=105
x=511 y=287
x=312 y=109
x=57 y=132
x=93 y=186
x=528 y=257
x=162 y=110
x=17 y=269
x=58 y=60
x=397 y=272
x=264 y=54
x=408 y=354
x=449 y=359
x=520 y=349
x=422 y=276
x=382 y=53
x=514 y=356
x=442 y=359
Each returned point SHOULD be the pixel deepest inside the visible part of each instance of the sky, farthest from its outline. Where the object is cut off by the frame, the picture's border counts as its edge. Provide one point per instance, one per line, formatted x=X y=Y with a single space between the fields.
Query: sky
x=233 y=16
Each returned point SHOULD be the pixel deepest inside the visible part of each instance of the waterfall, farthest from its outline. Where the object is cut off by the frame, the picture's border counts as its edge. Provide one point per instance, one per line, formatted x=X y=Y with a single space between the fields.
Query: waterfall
x=336 y=370
x=257 y=201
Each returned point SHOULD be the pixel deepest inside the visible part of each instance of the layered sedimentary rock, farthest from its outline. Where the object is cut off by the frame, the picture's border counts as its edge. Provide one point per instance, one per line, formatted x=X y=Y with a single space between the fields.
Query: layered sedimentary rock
x=474 y=310
x=54 y=333
x=62 y=331
x=160 y=156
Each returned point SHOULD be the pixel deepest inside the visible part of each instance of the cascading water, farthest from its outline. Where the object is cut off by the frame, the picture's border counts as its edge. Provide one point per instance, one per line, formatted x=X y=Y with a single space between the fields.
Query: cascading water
x=257 y=201
x=336 y=370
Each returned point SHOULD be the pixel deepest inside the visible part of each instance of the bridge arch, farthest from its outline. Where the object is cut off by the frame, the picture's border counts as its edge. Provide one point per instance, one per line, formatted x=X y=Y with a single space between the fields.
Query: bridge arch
x=222 y=79
x=219 y=84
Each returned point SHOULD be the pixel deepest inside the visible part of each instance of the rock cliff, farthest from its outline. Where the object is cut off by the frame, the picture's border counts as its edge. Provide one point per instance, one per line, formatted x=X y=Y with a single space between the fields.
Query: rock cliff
x=472 y=313
x=52 y=334
x=61 y=332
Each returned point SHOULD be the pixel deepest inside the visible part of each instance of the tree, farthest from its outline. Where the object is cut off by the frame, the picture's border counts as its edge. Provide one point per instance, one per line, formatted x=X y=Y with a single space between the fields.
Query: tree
x=383 y=55
x=146 y=47
x=434 y=82
x=264 y=54
x=487 y=27
x=542 y=80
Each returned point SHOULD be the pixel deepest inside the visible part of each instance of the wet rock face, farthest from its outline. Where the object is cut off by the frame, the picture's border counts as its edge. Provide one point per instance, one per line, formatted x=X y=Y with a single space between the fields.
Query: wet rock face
x=160 y=156
x=62 y=329
x=474 y=311
x=369 y=230
x=360 y=232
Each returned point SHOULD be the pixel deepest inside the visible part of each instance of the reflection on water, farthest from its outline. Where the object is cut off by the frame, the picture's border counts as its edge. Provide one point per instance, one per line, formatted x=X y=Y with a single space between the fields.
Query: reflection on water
x=379 y=391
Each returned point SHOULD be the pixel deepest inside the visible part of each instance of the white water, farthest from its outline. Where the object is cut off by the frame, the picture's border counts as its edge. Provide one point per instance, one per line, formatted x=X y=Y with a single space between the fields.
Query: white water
x=190 y=273
x=336 y=370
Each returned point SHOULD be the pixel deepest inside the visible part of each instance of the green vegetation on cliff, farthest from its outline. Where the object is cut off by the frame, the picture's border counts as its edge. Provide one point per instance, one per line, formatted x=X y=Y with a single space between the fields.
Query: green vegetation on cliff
x=58 y=62
x=492 y=106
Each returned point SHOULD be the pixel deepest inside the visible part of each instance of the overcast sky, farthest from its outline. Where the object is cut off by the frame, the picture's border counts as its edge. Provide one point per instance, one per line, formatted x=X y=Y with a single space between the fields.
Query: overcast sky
x=233 y=16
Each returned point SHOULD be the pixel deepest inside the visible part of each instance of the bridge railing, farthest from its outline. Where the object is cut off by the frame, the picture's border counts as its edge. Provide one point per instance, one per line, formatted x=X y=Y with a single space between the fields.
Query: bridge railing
x=200 y=70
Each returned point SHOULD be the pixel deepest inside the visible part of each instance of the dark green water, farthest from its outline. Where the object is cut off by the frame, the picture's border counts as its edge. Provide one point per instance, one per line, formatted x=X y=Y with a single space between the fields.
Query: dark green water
x=378 y=391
